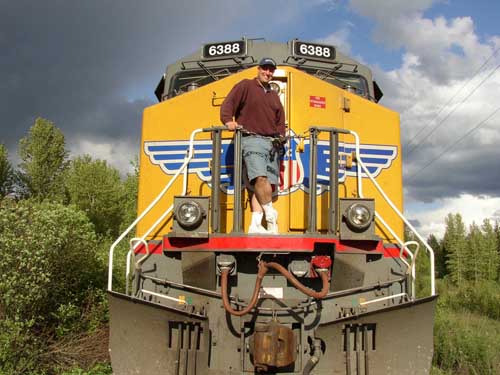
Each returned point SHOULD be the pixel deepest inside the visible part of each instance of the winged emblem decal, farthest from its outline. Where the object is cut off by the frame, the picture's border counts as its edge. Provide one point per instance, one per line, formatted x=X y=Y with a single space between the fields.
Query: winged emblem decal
x=294 y=168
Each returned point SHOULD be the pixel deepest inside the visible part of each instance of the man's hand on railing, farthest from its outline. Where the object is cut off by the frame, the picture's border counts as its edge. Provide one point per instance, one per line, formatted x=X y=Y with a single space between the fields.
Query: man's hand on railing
x=233 y=125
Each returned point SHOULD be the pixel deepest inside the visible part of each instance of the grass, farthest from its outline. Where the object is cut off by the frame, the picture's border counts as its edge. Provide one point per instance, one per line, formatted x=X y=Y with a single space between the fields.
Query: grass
x=466 y=343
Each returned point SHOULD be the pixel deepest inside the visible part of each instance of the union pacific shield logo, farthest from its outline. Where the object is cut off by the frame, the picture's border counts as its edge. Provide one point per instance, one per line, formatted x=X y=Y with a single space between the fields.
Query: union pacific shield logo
x=294 y=167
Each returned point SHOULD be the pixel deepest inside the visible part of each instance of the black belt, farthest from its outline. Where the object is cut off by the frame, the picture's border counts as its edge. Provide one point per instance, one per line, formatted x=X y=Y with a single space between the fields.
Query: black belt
x=258 y=135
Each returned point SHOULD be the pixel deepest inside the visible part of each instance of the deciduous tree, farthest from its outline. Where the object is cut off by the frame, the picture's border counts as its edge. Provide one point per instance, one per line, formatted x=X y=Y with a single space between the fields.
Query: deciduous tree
x=131 y=186
x=96 y=189
x=6 y=172
x=44 y=159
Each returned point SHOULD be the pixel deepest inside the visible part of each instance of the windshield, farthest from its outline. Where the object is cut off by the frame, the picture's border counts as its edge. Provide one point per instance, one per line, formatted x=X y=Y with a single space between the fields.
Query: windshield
x=192 y=79
x=350 y=82
x=188 y=80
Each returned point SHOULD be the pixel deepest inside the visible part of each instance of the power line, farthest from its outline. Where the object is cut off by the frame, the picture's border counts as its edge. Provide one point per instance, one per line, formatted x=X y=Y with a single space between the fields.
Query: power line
x=454 y=143
x=450 y=100
x=452 y=111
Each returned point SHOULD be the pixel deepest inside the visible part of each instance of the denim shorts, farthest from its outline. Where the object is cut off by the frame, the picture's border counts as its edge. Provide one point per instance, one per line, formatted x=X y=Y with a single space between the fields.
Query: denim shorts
x=257 y=158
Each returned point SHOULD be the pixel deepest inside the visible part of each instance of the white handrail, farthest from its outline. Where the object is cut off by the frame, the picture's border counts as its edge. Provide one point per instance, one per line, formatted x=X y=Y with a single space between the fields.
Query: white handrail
x=413 y=262
x=151 y=205
x=401 y=216
x=127 y=265
x=403 y=248
x=383 y=299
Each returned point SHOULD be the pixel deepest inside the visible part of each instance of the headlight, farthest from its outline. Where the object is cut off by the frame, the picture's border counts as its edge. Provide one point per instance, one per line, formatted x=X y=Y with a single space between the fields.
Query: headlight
x=275 y=87
x=189 y=214
x=359 y=217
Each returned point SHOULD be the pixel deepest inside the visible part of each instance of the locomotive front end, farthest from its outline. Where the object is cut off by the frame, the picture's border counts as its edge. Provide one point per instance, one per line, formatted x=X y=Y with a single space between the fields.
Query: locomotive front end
x=332 y=292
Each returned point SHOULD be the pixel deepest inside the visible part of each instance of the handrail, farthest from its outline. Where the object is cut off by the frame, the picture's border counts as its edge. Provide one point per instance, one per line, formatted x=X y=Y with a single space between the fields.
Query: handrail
x=127 y=266
x=151 y=205
x=413 y=261
x=392 y=296
x=395 y=209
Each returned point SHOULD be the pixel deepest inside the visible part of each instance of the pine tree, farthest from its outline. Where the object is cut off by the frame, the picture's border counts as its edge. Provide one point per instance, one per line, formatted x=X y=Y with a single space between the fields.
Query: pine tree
x=455 y=247
x=497 y=235
x=491 y=257
x=473 y=263
x=439 y=256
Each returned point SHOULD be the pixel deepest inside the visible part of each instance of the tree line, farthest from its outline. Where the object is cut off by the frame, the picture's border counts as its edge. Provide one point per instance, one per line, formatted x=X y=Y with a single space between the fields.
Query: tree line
x=471 y=255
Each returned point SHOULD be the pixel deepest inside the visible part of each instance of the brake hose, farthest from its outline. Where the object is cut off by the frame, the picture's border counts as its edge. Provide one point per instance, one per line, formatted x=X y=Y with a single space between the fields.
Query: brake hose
x=263 y=268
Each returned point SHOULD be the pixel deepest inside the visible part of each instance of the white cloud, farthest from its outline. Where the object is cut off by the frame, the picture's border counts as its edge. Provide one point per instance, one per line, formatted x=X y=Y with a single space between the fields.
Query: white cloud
x=339 y=39
x=472 y=209
x=446 y=48
x=118 y=154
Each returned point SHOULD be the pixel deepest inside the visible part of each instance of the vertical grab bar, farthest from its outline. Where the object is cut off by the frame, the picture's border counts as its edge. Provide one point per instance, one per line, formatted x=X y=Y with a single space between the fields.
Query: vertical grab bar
x=334 y=183
x=238 y=161
x=333 y=177
x=215 y=172
x=313 y=142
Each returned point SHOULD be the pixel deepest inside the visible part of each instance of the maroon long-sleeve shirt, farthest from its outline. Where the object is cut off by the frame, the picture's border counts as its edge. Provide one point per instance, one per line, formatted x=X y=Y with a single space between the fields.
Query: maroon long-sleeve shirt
x=257 y=110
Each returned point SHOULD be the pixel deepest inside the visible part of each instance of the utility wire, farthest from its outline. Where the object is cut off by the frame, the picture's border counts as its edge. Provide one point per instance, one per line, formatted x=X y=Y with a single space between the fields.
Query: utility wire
x=452 y=111
x=412 y=177
x=450 y=100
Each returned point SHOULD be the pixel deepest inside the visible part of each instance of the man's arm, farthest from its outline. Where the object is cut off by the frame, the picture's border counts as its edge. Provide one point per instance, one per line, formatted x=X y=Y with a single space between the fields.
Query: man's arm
x=280 y=118
x=230 y=106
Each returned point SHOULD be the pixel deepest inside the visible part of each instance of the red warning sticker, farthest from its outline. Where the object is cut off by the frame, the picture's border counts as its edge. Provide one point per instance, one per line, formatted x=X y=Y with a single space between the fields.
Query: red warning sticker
x=317 y=101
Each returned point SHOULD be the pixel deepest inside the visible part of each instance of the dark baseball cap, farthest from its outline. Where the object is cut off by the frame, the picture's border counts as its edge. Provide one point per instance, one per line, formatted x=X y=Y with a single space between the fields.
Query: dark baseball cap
x=267 y=61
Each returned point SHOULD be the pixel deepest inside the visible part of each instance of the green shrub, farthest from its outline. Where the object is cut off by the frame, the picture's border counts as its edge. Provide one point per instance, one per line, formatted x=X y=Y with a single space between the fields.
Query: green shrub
x=481 y=297
x=48 y=258
x=19 y=348
x=49 y=277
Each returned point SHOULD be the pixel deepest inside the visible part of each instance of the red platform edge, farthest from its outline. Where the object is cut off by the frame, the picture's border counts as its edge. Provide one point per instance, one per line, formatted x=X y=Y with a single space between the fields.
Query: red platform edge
x=264 y=243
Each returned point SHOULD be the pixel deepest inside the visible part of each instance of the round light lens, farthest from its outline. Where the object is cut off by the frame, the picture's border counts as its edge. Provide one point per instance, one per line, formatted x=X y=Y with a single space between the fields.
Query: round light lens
x=189 y=214
x=275 y=87
x=358 y=216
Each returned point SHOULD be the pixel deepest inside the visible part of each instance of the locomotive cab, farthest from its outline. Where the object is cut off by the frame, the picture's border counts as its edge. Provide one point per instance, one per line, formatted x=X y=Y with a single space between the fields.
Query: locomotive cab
x=333 y=291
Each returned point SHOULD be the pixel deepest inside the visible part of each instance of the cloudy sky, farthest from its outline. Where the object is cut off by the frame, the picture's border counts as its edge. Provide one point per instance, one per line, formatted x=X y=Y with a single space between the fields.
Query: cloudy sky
x=91 y=67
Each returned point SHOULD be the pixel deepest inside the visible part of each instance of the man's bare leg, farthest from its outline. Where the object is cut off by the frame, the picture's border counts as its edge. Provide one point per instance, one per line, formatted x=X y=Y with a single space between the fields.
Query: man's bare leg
x=263 y=190
x=257 y=213
x=264 y=196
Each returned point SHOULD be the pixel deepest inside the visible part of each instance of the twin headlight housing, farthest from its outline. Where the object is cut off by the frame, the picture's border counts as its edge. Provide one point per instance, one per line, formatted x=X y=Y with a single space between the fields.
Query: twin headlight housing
x=357 y=219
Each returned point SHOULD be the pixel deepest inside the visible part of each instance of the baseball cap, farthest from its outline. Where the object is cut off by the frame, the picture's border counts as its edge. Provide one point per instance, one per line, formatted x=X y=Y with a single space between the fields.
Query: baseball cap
x=267 y=61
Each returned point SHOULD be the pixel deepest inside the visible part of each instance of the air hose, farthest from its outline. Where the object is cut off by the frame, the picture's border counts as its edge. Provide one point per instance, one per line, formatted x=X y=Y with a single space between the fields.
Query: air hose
x=263 y=268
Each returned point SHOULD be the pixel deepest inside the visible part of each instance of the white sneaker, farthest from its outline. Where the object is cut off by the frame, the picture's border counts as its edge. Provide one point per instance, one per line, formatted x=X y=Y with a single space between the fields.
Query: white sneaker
x=272 y=223
x=256 y=229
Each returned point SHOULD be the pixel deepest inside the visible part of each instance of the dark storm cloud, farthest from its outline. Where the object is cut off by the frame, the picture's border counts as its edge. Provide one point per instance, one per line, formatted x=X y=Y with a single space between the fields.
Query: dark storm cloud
x=468 y=169
x=91 y=66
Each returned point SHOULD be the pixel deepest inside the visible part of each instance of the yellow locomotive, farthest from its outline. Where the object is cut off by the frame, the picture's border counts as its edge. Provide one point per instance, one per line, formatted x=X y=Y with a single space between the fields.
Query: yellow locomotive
x=333 y=292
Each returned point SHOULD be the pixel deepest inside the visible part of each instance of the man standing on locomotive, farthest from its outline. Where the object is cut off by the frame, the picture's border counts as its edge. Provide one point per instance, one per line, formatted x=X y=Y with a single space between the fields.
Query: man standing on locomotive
x=256 y=108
